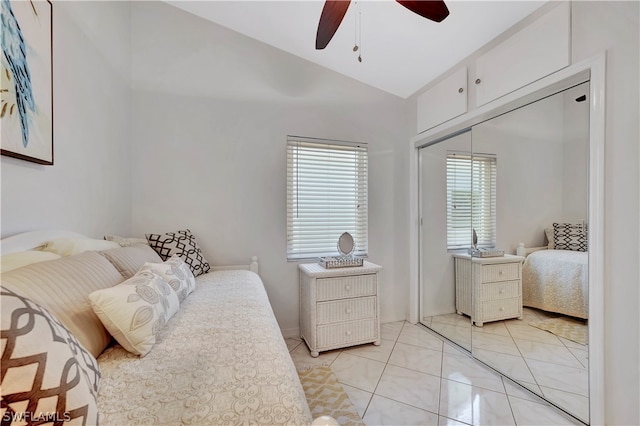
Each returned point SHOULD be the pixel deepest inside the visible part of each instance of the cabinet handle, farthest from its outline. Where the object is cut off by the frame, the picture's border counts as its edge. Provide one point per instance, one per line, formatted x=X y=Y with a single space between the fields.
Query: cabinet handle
x=478 y=81
x=348 y=332
x=501 y=309
x=460 y=90
x=347 y=287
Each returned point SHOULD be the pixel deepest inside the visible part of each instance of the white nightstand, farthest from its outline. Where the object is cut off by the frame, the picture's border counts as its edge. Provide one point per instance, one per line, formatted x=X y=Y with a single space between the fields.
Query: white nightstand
x=489 y=289
x=339 y=307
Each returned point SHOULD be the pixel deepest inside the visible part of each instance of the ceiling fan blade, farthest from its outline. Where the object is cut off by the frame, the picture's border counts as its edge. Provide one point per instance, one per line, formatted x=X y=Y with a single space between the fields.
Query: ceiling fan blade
x=332 y=14
x=434 y=10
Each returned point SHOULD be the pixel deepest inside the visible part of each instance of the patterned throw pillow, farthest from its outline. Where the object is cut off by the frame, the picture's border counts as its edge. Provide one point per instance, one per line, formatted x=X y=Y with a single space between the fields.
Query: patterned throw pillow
x=182 y=244
x=569 y=236
x=176 y=273
x=135 y=311
x=47 y=375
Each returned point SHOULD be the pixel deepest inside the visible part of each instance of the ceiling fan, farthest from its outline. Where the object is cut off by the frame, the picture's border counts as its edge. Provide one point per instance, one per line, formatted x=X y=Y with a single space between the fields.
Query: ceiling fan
x=334 y=10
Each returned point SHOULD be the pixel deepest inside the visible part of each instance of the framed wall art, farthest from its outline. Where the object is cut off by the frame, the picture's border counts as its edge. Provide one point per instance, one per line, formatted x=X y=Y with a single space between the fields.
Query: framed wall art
x=26 y=83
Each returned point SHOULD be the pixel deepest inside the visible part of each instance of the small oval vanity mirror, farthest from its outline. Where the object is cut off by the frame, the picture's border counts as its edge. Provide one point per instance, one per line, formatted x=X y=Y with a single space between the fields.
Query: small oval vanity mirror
x=345 y=244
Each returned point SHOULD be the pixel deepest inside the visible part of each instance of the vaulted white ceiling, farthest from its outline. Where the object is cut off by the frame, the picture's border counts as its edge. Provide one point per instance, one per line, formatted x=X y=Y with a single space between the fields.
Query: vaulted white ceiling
x=401 y=51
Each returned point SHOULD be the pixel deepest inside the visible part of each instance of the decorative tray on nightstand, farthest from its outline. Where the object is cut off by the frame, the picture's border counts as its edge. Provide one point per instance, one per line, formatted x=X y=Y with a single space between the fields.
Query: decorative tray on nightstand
x=332 y=262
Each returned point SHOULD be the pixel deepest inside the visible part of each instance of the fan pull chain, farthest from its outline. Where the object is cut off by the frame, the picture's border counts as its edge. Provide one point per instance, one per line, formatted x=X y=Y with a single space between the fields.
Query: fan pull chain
x=360 y=32
x=355 y=31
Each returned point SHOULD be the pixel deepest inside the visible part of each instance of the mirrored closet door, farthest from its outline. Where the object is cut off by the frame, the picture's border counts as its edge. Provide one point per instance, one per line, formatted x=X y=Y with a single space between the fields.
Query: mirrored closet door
x=520 y=181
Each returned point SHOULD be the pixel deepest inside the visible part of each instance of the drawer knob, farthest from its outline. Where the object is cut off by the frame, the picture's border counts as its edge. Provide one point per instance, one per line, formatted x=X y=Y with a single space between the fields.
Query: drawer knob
x=501 y=291
x=347 y=287
x=348 y=332
x=460 y=90
x=500 y=272
x=478 y=81
x=348 y=310
x=501 y=309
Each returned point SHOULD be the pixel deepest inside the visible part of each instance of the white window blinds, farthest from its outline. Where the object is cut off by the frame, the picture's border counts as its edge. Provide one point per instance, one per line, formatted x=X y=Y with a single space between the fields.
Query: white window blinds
x=471 y=199
x=326 y=196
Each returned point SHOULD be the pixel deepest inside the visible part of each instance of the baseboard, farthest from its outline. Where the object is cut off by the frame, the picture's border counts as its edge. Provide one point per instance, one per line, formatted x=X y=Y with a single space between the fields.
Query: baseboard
x=290 y=332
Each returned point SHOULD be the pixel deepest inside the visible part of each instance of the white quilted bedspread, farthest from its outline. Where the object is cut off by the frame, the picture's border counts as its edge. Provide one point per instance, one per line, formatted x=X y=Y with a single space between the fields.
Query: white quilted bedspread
x=556 y=281
x=221 y=360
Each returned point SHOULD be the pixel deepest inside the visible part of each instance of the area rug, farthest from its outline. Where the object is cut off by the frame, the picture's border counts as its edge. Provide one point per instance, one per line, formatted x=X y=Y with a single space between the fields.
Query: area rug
x=574 y=330
x=326 y=396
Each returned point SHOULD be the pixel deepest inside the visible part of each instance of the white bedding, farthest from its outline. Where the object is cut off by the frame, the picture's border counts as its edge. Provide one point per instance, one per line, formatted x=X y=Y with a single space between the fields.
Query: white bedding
x=556 y=281
x=220 y=360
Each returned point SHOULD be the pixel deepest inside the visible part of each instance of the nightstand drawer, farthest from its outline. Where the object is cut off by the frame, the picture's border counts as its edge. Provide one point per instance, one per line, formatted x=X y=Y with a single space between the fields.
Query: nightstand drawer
x=347 y=333
x=346 y=310
x=345 y=287
x=500 y=272
x=500 y=290
x=500 y=309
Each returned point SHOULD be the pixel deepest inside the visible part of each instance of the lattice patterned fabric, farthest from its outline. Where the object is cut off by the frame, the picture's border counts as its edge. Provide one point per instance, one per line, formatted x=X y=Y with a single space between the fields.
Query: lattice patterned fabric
x=47 y=375
x=568 y=236
x=182 y=244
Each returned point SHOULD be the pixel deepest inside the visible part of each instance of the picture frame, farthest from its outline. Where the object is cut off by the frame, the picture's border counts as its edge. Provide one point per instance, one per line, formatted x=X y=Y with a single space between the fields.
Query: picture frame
x=26 y=81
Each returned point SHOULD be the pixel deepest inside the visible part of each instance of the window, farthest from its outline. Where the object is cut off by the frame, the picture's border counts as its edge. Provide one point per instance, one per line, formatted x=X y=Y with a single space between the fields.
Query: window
x=471 y=199
x=326 y=196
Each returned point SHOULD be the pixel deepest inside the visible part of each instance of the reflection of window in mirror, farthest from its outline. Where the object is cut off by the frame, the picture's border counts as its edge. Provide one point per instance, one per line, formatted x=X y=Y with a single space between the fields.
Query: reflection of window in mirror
x=471 y=199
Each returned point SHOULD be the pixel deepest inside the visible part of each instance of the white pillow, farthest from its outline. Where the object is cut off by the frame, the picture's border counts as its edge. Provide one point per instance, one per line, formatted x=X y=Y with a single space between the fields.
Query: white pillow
x=175 y=272
x=126 y=241
x=136 y=310
x=548 y=232
x=72 y=246
x=23 y=258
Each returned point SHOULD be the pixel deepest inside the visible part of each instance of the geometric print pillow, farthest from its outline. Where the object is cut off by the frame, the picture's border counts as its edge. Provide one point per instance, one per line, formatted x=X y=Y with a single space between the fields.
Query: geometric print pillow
x=47 y=375
x=182 y=244
x=568 y=236
x=176 y=273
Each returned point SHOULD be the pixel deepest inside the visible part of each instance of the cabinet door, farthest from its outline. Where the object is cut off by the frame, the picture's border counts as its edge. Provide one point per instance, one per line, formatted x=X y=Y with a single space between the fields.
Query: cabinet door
x=444 y=101
x=536 y=51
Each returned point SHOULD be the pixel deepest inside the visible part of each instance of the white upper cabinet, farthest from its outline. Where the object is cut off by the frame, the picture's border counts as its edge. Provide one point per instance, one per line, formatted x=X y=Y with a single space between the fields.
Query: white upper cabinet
x=444 y=101
x=536 y=51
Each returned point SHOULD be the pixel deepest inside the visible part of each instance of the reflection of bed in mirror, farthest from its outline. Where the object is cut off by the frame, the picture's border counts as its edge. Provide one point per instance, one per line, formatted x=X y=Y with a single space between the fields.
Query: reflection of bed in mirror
x=556 y=281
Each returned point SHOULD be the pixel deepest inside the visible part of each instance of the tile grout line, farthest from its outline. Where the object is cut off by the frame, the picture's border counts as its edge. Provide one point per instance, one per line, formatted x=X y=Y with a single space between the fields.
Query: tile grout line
x=383 y=370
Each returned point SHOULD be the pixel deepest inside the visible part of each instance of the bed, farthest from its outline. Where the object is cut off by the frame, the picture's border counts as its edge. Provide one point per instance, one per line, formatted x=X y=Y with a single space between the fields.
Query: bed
x=556 y=281
x=220 y=359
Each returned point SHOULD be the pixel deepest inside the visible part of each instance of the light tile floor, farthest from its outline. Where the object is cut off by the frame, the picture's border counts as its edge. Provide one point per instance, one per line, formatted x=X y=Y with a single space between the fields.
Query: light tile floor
x=549 y=365
x=415 y=378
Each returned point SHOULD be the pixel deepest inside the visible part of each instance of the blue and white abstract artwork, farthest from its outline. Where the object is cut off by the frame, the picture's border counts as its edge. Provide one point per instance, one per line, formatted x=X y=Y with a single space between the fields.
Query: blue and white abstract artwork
x=26 y=83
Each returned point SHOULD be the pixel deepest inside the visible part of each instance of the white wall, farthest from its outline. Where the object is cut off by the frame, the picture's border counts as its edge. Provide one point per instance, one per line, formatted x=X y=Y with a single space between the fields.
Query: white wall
x=535 y=188
x=575 y=155
x=614 y=27
x=88 y=189
x=210 y=114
